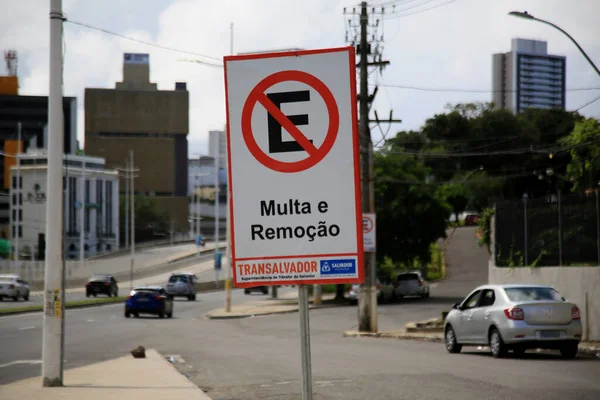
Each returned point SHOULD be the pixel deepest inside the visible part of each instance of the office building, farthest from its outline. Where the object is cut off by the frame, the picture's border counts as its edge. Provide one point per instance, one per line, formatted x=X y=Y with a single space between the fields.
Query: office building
x=528 y=77
x=217 y=147
x=89 y=186
x=137 y=116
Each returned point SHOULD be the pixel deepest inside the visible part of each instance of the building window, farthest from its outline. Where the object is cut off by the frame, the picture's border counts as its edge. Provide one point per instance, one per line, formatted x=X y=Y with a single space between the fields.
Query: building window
x=14 y=199
x=20 y=182
x=20 y=231
x=14 y=182
x=20 y=199
x=20 y=215
x=14 y=215
x=86 y=202
x=108 y=211
x=14 y=231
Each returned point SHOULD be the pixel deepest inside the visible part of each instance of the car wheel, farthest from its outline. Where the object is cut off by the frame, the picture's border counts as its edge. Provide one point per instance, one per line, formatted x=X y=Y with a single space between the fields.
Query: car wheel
x=127 y=314
x=170 y=315
x=265 y=291
x=94 y=295
x=569 y=351
x=497 y=345
x=450 y=341
x=15 y=298
x=194 y=297
x=161 y=314
x=87 y=294
x=246 y=291
x=26 y=297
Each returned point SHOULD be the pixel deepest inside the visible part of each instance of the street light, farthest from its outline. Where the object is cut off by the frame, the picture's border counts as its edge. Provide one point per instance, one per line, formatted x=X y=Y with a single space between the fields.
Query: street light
x=526 y=15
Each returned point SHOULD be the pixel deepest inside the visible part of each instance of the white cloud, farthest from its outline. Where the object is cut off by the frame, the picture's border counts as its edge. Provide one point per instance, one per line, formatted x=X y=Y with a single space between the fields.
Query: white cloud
x=450 y=46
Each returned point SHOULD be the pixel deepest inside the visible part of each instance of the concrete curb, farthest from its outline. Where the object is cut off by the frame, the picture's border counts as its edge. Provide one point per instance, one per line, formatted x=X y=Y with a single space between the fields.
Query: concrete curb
x=261 y=313
x=584 y=350
x=444 y=247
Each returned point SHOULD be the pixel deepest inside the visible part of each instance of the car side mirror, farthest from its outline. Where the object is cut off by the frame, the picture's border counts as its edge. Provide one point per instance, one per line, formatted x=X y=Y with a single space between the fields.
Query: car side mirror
x=456 y=306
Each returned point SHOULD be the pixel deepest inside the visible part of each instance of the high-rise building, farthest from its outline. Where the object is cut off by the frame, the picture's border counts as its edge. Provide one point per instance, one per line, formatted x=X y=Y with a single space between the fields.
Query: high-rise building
x=218 y=140
x=528 y=77
x=136 y=116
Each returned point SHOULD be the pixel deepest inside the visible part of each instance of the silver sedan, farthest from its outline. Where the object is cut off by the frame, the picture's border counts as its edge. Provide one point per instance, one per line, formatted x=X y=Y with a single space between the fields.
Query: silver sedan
x=514 y=317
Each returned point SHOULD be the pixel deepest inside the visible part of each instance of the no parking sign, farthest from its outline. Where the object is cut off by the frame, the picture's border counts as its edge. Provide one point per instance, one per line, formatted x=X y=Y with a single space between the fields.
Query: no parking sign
x=294 y=168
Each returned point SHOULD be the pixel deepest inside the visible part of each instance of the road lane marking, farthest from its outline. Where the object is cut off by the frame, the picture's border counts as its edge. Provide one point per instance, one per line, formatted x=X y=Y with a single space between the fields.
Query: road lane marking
x=90 y=320
x=26 y=328
x=31 y=362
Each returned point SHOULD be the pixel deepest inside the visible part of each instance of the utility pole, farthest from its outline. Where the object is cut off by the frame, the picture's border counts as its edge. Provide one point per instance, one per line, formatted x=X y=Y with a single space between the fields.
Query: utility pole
x=132 y=196
x=196 y=214
x=367 y=300
x=19 y=189
x=217 y=252
x=52 y=343
x=82 y=217
x=367 y=303
x=228 y=231
x=126 y=228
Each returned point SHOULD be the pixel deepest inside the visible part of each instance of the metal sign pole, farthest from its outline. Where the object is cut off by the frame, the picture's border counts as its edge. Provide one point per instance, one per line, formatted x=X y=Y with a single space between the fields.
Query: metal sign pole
x=307 y=393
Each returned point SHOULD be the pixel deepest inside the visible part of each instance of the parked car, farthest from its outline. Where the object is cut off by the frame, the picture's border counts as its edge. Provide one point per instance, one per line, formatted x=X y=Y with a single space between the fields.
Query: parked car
x=182 y=284
x=149 y=300
x=13 y=286
x=261 y=289
x=471 y=219
x=101 y=284
x=514 y=317
x=411 y=284
x=385 y=292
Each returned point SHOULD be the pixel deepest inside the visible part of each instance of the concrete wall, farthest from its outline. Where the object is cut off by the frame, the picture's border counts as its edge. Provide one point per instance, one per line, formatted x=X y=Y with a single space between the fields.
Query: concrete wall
x=580 y=285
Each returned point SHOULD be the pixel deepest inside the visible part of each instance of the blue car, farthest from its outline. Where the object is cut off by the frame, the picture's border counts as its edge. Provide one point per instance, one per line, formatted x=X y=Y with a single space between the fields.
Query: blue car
x=149 y=300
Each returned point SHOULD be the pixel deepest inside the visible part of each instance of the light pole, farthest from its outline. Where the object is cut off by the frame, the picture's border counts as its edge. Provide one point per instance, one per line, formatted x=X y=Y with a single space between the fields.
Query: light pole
x=82 y=216
x=19 y=188
x=526 y=15
x=196 y=207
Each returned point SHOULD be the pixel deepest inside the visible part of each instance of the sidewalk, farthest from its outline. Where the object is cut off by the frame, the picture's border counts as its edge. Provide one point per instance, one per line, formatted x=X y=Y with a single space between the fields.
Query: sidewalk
x=123 y=378
x=285 y=303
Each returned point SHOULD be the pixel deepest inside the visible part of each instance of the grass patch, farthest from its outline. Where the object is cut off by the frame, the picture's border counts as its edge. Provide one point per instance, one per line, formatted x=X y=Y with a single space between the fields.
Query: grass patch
x=69 y=304
x=436 y=269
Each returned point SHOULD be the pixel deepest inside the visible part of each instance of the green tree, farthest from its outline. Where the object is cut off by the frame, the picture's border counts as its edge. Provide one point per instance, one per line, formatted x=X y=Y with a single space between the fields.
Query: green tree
x=584 y=167
x=456 y=195
x=410 y=214
x=149 y=220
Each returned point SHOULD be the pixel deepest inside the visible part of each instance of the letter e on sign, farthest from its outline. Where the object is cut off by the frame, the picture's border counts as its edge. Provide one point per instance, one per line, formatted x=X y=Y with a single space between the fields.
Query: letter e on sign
x=293 y=165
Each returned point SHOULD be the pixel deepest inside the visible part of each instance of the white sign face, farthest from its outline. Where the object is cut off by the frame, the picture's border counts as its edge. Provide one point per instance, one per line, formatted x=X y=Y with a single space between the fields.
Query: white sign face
x=294 y=168
x=369 y=232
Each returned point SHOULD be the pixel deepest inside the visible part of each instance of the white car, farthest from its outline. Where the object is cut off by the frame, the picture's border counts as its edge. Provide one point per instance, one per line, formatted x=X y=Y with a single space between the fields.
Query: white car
x=514 y=317
x=14 y=287
x=411 y=284
x=384 y=293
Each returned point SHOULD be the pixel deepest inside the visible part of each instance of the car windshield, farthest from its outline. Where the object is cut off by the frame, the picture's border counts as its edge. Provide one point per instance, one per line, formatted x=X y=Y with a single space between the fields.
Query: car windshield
x=532 y=294
x=178 y=278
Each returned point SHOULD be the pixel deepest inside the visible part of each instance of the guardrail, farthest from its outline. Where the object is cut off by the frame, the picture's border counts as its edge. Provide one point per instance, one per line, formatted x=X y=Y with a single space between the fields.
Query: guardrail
x=35 y=273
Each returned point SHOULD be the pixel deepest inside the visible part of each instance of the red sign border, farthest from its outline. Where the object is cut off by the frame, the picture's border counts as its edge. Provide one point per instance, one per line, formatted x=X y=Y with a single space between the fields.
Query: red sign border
x=356 y=161
x=332 y=130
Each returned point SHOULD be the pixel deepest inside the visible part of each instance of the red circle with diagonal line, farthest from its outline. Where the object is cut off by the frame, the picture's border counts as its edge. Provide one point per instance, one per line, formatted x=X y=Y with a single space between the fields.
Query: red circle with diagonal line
x=315 y=154
x=367 y=224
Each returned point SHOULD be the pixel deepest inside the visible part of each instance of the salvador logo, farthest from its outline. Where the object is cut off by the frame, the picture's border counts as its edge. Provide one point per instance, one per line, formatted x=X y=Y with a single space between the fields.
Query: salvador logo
x=37 y=197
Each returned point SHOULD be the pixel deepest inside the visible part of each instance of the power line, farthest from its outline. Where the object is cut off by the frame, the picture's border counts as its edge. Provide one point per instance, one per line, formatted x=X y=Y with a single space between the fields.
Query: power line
x=431 y=89
x=158 y=46
x=588 y=103
x=521 y=151
x=424 y=10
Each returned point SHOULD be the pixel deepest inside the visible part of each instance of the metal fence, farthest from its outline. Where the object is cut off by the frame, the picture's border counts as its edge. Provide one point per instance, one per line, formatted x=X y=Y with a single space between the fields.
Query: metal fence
x=555 y=230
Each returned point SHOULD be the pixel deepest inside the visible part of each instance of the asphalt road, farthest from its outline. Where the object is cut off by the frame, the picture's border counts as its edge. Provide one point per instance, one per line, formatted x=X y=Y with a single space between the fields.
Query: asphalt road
x=259 y=358
x=206 y=276
x=102 y=333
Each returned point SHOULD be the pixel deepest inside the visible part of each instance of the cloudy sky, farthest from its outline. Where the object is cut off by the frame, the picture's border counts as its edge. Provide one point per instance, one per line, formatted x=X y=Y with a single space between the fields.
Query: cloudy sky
x=432 y=44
